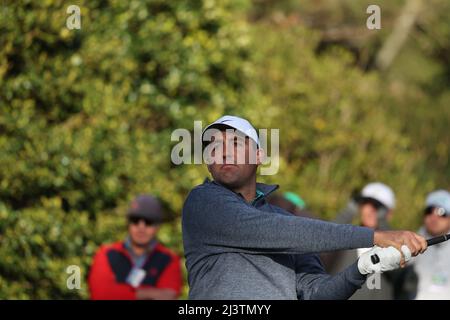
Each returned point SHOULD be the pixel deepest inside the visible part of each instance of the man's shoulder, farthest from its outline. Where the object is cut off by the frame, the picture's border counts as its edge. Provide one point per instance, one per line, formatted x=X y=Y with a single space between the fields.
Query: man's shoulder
x=207 y=189
x=117 y=246
x=276 y=209
x=206 y=185
x=197 y=193
x=105 y=250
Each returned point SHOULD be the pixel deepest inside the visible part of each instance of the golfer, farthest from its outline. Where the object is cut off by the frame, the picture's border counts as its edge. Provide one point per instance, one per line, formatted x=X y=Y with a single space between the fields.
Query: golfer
x=238 y=246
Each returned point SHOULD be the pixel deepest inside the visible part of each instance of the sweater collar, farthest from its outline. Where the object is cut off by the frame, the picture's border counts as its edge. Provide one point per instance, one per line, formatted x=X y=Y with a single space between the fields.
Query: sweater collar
x=262 y=189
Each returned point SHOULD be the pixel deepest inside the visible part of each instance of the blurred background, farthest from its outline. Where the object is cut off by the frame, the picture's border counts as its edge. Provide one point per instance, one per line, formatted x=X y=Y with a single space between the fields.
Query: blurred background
x=86 y=115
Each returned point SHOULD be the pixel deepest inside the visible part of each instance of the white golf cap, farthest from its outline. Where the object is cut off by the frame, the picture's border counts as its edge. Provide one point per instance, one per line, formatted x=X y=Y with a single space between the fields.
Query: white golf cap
x=439 y=199
x=380 y=192
x=237 y=123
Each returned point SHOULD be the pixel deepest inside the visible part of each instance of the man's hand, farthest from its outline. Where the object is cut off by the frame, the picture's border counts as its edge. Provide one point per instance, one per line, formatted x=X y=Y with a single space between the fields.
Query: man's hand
x=389 y=259
x=415 y=243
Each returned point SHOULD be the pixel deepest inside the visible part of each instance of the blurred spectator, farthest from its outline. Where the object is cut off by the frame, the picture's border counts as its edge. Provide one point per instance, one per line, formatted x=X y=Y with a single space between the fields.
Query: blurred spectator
x=139 y=267
x=375 y=207
x=433 y=267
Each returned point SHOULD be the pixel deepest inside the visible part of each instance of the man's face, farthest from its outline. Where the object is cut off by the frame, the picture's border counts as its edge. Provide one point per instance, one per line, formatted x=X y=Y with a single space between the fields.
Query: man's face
x=435 y=224
x=141 y=231
x=235 y=159
x=368 y=214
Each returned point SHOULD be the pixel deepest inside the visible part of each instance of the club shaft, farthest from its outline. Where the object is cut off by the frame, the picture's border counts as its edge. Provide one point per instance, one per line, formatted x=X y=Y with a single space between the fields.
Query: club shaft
x=437 y=240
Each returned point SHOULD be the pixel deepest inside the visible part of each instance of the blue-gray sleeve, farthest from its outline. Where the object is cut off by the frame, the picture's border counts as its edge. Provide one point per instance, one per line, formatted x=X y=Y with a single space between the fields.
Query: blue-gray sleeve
x=222 y=222
x=314 y=284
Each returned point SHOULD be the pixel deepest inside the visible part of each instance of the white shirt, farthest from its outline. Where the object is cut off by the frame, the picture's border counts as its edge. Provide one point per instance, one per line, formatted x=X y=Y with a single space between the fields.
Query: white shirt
x=433 y=271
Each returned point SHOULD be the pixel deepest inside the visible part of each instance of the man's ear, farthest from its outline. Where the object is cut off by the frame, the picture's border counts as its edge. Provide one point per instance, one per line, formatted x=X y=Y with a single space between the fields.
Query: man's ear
x=260 y=156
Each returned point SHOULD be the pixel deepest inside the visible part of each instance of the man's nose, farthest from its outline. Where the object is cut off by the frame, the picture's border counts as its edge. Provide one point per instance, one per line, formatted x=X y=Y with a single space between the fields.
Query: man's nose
x=141 y=224
x=228 y=152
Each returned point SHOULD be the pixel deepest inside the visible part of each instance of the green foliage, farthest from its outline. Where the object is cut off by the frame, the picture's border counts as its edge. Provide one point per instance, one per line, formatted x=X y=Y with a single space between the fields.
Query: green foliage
x=86 y=118
x=38 y=244
x=336 y=133
x=86 y=115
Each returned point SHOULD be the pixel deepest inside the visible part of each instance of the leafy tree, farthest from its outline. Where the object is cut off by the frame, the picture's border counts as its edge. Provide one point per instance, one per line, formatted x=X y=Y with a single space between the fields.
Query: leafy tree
x=86 y=118
x=86 y=115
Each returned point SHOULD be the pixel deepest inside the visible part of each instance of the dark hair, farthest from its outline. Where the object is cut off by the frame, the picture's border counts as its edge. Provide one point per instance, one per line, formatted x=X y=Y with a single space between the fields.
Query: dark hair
x=374 y=202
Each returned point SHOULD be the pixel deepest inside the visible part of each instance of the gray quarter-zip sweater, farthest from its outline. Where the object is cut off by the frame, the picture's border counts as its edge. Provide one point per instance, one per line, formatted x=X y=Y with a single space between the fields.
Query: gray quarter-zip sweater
x=240 y=250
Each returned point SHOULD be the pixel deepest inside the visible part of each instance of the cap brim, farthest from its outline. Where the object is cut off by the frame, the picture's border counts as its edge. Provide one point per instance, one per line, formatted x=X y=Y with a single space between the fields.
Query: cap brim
x=360 y=199
x=137 y=214
x=222 y=126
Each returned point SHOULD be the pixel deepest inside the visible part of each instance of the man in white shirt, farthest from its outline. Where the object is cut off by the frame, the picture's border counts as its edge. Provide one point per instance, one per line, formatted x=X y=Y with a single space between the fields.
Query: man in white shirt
x=433 y=268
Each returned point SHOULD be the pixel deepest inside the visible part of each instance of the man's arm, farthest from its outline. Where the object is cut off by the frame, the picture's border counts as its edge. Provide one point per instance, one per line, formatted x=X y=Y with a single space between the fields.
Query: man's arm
x=102 y=282
x=155 y=294
x=168 y=286
x=223 y=221
x=314 y=284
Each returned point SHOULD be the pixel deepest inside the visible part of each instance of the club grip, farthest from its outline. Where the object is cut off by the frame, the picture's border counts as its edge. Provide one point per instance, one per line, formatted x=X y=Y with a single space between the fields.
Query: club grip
x=437 y=240
x=376 y=259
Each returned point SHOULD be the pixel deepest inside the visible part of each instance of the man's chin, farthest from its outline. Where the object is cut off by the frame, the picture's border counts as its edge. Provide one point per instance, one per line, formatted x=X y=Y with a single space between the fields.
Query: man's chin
x=228 y=181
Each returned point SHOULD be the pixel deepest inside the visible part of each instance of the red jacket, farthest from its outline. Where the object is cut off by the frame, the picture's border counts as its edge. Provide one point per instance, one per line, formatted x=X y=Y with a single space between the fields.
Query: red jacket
x=112 y=264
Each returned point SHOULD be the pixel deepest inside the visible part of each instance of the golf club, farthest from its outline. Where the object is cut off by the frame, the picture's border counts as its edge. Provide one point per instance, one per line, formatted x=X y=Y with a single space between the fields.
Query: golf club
x=375 y=259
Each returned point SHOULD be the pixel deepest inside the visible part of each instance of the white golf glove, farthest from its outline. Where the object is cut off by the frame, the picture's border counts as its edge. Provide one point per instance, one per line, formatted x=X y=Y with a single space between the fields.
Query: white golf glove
x=389 y=259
